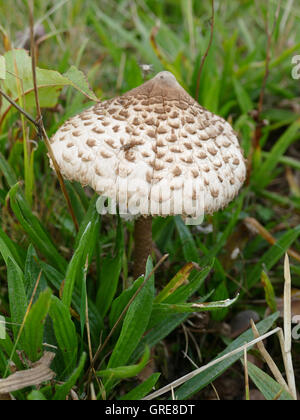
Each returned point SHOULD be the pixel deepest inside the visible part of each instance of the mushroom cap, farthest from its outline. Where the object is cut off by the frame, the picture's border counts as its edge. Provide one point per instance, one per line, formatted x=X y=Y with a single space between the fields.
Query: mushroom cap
x=154 y=151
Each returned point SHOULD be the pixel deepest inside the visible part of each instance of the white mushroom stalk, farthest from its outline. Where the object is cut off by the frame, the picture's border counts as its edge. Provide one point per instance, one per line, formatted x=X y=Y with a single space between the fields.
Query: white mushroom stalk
x=154 y=152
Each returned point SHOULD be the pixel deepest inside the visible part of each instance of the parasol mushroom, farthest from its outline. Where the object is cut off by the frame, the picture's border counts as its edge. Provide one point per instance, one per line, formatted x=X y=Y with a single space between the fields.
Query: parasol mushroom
x=154 y=151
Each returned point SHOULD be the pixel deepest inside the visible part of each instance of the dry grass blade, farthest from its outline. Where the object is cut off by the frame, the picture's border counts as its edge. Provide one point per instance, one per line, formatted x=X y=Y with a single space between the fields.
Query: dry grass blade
x=196 y=372
x=288 y=327
x=40 y=373
x=247 y=389
x=268 y=359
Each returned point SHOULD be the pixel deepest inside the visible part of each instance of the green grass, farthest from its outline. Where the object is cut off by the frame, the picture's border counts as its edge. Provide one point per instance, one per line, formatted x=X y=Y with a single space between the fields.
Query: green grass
x=90 y=271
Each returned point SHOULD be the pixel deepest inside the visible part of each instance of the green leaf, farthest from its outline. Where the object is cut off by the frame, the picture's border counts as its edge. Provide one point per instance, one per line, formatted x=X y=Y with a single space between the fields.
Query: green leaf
x=63 y=390
x=110 y=273
x=76 y=202
x=158 y=333
x=2 y=68
x=143 y=389
x=65 y=333
x=123 y=372
x=196 y=280
x=17 y=296
x=242 y=96
x=76 y=266
x=10 y=250
x=49 y=82
x=272 y=256
x=135 y=322
x=56 y=279
x=221 y=292
x=34 y=229
x=36 y=396
x=263 y=174
x=179 y=279
x=127 y=36
x=7 y=346
x=267 y=386
x=189 y=248
x=269 y=292
x=78 y=80
x=7 y=171
x=121 y=301
x=220 y=243
x=33 y=332
x=200 y=381
x=164 y=310
x=32 y=272
x=91 y=216
x=167 y=309
x=109 y=278
x=159 y=322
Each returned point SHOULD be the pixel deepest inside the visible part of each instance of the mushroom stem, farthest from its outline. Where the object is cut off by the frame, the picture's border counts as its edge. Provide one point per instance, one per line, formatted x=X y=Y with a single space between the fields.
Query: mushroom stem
x=142 y=244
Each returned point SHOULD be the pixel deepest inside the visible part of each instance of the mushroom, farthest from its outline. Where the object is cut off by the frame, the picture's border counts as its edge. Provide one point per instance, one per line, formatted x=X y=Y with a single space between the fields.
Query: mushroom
x=154 y=151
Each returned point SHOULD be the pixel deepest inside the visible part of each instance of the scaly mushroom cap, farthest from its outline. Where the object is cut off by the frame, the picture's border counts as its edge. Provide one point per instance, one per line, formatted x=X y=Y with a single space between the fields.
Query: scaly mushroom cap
x=154 y=150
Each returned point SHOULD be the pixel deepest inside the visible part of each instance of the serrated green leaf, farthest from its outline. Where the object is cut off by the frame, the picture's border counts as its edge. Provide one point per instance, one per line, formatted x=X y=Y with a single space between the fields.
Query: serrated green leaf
x=78 y=81
x=49 y=82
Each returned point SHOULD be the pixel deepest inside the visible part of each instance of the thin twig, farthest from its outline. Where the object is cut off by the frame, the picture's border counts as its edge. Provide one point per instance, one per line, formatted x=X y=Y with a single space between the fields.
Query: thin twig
x=212 y=24
x=21 y=110
x=40 y=125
